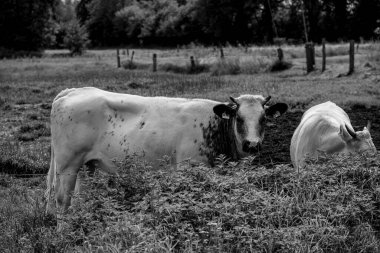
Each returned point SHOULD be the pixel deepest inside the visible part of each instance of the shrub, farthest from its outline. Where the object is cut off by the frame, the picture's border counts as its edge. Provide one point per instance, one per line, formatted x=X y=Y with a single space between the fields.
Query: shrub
x=76 y=38
x=175 y=68
x=225 y=67
x=131 y=65
x=187 y=69
x=255 y=65
x=32 y=131
x=280 y=66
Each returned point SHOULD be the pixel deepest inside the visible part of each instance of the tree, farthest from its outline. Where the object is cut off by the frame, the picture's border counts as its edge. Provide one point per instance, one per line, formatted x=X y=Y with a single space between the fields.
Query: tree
x=25 y=24
x=76 y=38
x=82 y=11
x=226 y=20
x=364 y=18
x=129 y=22
x=100 y=24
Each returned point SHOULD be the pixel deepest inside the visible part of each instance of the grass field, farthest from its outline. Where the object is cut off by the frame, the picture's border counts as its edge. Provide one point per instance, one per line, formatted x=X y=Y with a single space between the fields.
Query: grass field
x=258 y=205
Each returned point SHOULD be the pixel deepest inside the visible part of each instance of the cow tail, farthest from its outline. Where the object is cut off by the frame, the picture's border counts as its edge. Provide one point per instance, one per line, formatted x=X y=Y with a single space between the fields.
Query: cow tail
x=50 y=180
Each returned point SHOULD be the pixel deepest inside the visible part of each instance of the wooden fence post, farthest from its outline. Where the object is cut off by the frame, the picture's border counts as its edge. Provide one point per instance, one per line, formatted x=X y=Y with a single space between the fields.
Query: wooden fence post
x=312 y=54
x=280 y=54
x=323 y=55
x=133 y=54
x=352 y=57
x=221 y=53
x=309 y=57
x=154 y=62
x=118 y=58
x=192 y=64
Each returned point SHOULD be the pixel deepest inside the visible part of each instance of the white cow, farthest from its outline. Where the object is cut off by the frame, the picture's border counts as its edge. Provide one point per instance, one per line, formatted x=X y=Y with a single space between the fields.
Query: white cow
x=95 y=127
x=327 y=128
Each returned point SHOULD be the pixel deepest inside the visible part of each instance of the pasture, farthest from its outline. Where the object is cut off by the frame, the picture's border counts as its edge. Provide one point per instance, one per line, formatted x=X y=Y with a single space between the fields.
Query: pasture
x=260 y=204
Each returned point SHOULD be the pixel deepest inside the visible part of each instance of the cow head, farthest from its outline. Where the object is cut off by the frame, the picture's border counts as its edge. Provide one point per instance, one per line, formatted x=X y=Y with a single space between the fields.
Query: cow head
x=247 y=114
x=357 y=142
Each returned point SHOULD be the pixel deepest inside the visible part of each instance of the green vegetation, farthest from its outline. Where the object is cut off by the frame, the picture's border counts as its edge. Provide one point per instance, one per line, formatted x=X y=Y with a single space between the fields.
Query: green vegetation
x=332 y=206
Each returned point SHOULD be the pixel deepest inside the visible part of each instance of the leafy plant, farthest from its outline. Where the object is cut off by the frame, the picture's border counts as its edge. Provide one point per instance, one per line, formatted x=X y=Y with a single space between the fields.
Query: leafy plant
x=76 y=38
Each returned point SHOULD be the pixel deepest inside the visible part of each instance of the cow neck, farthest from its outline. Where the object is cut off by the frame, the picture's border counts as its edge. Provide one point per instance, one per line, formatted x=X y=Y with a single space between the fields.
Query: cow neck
x=220 y=139
x=227 y=139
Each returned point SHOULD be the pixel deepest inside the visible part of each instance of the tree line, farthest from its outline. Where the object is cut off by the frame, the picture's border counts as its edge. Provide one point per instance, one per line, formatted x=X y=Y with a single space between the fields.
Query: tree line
x=36 y=24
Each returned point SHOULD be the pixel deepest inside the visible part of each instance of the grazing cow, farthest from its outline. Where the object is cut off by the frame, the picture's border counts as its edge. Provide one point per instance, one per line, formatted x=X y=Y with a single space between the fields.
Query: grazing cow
x=327 y=128
x=94 y=127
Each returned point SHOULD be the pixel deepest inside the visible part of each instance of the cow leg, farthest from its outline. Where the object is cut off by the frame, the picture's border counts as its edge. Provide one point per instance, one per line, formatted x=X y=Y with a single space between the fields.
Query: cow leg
x=66 y=179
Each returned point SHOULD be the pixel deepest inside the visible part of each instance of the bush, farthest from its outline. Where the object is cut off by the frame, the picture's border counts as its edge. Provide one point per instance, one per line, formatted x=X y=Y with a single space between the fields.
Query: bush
x=32 y=131
x=131 y=65
x=280 y=66
x=255 y=65
x=76 y=38
x=225 y=67
x=187 y=69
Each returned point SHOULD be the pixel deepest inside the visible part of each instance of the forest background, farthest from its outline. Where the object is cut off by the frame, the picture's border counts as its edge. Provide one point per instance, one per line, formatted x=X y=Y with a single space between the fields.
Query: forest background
x=33 y=25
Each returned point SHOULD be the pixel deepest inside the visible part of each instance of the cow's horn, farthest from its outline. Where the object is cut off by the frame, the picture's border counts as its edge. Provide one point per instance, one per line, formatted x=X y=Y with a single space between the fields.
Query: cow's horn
x=266 y=100
x=369 y=125
x=352 y=133
x=234 y=101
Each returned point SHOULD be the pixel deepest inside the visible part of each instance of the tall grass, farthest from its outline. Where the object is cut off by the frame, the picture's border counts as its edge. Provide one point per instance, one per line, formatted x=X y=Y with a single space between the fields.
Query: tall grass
x=331 y=206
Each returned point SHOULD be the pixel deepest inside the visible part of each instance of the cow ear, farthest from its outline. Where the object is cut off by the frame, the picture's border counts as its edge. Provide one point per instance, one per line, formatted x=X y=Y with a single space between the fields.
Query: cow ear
x=346 y=134
x=224 y=111
x=276 y=110
x=368 y=128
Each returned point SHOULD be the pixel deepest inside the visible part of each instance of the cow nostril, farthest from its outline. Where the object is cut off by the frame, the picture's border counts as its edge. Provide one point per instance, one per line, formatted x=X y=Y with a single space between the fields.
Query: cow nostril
x=258 y=146
x=246 y=145
x=251 y=147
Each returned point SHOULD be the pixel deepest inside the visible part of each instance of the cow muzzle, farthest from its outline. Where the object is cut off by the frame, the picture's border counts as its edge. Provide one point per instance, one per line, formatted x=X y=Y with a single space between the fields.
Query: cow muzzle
x=251 y=147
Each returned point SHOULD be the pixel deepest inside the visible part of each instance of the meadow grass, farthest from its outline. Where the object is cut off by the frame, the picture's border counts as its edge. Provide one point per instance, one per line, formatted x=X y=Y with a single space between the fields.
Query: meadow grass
x=234 y=207
x=331 y=206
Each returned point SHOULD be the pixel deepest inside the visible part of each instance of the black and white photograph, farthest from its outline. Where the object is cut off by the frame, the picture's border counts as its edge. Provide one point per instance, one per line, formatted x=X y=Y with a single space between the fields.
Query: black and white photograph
x=189 y=126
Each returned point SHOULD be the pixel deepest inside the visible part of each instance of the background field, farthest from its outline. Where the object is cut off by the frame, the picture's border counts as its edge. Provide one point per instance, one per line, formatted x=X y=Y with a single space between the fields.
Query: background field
x=261 y=203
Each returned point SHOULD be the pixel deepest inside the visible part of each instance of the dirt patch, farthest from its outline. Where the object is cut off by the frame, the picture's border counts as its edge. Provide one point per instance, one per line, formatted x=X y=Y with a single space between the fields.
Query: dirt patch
x=279 y=132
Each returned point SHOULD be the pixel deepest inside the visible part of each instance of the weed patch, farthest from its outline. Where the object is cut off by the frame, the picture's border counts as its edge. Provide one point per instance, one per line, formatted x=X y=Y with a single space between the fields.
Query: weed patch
x=280 y=66
x=234 y=207
x=18 y=158
x=332 y=205
x=131 y=65
x=187 y=69
x=225 y=67
x=32 y=131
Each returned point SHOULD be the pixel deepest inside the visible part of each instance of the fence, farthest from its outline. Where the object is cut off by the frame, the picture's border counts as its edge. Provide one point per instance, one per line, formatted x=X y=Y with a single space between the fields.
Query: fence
x=309 y=54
